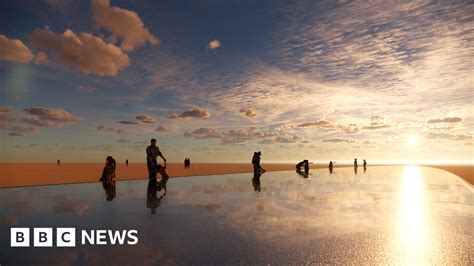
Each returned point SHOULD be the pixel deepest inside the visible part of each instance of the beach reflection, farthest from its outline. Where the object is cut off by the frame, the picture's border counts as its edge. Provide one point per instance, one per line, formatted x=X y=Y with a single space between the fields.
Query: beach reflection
x=389 y=215
x=414 y=217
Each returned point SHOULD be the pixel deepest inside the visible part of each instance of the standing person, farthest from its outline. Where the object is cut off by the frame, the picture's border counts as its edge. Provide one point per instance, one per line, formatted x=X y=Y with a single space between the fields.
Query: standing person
x=185 y=162
x=257 y=168
x=355 y=166
x=189 y=162
x=365 y=166
x=59 y=162
x=126 y=162
x=331 y=166
x=152 y=152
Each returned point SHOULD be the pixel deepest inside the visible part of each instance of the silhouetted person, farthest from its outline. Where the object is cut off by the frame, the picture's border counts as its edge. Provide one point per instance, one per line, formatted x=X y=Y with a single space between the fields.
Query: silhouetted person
x=126 y=162
x=365 y=166
x=256 y=181
x=152 y=152
x=331 y=167
x=189 y=162
x=59 y=162
x=185 y=162
x=152 y=201
x=110 y=189
x=305 y=164
x=257 y=168
x=108 y=173
x=355 y=166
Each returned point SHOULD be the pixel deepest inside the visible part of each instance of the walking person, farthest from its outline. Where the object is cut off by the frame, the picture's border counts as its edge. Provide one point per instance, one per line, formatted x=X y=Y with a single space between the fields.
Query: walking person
x=365 y=166
x=126 y=162
x=152 y=152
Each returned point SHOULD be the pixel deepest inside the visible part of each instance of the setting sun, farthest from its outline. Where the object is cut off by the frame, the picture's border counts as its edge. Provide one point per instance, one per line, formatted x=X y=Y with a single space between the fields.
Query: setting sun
x=412 y=141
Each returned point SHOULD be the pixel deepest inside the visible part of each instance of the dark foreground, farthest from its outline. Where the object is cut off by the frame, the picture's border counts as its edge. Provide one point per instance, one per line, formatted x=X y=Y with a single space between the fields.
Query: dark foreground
x=388 y=215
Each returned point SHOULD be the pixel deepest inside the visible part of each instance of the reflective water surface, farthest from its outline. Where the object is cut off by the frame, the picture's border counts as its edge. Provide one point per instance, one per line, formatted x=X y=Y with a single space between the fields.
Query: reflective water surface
x=387 y=215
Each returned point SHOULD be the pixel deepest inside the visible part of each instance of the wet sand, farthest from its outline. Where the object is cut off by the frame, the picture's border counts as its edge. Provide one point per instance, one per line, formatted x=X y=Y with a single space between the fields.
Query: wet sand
x=32 y=174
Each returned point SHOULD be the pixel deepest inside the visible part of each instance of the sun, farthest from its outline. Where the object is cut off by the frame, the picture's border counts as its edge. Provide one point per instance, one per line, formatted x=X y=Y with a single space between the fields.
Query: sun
x=412 y=141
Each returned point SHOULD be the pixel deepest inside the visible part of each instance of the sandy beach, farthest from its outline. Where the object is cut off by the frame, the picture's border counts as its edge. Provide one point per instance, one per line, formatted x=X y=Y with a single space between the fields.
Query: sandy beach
x=33 y=174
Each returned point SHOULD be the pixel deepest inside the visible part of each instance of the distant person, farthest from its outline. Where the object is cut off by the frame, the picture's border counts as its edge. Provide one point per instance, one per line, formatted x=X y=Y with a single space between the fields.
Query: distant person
x=108 y=173
x=365 y=166
x=126 y=162
x=189 y=162
x=152 y=201
x=59 y=162
x=331 y=167
x=185 y=162
x=355 y=166
x=256 y=181
x=257 y=168
x=152 y=152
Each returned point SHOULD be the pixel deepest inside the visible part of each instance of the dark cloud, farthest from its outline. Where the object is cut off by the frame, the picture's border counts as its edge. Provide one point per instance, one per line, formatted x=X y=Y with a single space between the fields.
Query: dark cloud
x=6 y=114
x=146 y=119
x=109 y=128
x=338 y=140
x=377 y=122
x=191 y=113
x=47 y=117
x=127 y=122
x=445 y=120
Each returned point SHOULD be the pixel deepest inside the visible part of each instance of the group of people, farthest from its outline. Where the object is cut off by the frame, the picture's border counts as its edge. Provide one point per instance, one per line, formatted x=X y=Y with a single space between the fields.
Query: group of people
x=153 y=152
x=187 y=162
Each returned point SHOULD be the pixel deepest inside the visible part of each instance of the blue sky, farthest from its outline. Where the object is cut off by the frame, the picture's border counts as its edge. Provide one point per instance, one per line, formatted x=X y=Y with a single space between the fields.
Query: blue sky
x=217 y=80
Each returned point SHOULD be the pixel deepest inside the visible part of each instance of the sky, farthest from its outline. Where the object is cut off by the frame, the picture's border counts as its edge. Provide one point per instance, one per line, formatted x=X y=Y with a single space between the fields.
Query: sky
x=217 y=80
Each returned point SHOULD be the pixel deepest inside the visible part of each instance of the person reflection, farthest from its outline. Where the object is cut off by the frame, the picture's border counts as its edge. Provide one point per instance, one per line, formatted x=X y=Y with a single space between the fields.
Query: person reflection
x=110 y=190
x=152 y=201
x=256 y=181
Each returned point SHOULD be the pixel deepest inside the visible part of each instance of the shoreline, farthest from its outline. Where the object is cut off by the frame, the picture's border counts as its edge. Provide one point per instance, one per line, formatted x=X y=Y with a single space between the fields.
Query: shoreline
x=42 y=174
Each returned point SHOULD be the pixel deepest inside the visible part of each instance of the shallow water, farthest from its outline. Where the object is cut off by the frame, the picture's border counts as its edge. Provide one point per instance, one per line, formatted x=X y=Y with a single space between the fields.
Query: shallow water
x=388 y=215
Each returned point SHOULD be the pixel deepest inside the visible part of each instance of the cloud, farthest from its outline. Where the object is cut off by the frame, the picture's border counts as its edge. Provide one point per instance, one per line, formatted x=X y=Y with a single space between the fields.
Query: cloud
x=123 y=24
x=51 y=114
x=250 y=112
x=146 y=119
x=127 y=122
x=160 y=129
x=338 y=140
x=445 y=120
x=377 y=122
x=17 y=130
x=109 y=128
x=124 y=141
x=349 y=129
x=444 y=136
x=214 y=44
x=41 y=58
x=14 y=50
x=6 y=114
x=38 y=122
x=321 y=123
x=191 y=113
x=292 y=139
x=86 y=52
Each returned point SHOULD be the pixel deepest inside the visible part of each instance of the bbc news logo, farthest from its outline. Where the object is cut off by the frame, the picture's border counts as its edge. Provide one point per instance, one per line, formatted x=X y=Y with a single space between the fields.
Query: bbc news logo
x=66 y=237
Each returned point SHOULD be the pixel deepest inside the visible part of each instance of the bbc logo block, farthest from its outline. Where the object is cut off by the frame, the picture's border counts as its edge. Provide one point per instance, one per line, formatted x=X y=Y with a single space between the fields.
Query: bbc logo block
x=42 y=237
